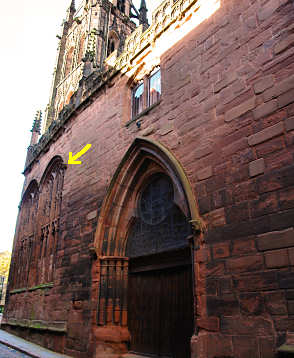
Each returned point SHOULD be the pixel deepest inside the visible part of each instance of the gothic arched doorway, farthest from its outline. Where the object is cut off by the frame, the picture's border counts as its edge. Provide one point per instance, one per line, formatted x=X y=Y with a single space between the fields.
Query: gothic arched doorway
x=160 y=300
x=145 y=263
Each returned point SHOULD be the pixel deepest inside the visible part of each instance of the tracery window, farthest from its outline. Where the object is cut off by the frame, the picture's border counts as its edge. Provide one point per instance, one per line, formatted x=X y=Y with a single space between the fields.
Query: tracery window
x=25 y=242
x=160 y=224
x=38 y=226
x=48 y=220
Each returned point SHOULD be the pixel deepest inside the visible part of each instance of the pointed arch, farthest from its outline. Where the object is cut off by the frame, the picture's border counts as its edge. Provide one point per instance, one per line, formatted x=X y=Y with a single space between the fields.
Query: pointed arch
x=56 y=161
x=51 y=187
x=126 y=240
x=113 y=42
x=32 y=187
x=144 y=158
x=25 y=235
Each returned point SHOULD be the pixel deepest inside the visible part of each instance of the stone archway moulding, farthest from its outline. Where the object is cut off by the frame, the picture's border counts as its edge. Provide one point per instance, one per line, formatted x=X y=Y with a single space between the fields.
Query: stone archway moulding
x=122 y=179
x=144 y=158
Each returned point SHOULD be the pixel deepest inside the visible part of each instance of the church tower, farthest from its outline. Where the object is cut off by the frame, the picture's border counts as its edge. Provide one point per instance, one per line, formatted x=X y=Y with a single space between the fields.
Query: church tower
x=90 y=33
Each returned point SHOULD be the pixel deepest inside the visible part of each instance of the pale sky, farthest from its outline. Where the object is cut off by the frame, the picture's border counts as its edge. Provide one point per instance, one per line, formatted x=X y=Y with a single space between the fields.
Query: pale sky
x=28 y=46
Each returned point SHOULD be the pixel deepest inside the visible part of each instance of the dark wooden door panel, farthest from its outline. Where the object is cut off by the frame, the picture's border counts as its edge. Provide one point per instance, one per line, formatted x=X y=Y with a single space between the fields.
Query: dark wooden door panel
x=160 y=312
x=143 y=312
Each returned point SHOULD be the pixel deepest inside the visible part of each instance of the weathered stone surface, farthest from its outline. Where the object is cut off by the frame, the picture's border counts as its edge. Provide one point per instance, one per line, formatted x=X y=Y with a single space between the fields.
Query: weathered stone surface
x=251 y=303
x=245 y=264
x=242 y=326
x=204 y=173
x=208 y=323
x=256 y=167
x=263 y=84
x=276 y=240
x=266 y=134
x=277 y=258
x=289 y=124
x=284 y=44
x=226 y=119
x=265 y=109
x=240 y=109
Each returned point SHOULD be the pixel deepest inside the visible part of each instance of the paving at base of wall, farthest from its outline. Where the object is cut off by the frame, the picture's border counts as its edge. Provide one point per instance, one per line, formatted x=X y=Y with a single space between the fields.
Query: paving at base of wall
x=29 y=348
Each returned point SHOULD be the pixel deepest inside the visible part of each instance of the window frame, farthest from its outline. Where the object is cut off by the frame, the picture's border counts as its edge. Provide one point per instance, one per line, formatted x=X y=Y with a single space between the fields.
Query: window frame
x=134 y=89
x=146 y=81
x=152 y=74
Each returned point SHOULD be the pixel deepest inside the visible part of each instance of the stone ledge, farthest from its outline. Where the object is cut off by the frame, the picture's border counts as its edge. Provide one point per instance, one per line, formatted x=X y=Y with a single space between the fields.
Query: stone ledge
x=40 y=325
x=42 y=286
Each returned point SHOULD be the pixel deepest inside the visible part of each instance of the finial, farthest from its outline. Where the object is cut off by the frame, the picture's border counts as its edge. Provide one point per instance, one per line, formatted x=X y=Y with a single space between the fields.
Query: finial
x=72 y=6
x=143 y=13
x=37 y=122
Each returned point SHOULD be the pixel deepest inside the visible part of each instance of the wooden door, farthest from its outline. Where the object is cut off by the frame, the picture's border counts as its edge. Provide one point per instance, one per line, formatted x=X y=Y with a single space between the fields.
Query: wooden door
x=160 y=308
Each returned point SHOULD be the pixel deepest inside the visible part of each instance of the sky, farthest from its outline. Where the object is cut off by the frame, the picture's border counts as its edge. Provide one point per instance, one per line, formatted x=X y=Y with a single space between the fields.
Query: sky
x=28 y=46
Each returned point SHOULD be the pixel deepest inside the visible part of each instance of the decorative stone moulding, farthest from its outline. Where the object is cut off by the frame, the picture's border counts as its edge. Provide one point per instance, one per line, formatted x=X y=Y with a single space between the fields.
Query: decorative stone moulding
x=41 y=325
x=42 y=286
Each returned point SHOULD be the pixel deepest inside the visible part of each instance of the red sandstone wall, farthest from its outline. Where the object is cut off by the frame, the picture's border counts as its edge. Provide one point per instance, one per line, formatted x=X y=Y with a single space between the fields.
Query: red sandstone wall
x=227 y=114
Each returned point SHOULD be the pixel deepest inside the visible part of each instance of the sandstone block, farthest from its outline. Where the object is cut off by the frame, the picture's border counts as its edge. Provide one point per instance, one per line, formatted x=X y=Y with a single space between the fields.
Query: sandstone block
x=266 y=134
x=221 y=250
x=284 y=44
x=286 y=99
x=286 y=280
x=240 y=109
x=255 y=326
x=256 y=167
x=275 y=240
x=289 y=124
x=245 y=263
x=265 y=109
x=204 y=173
x=202 y=152
x=259 y=281
x=208 y=323
x=227 y=305
x=251 y=303
x=277 y=258
x=279 y=88
x=275 y=303
x=245 y=346
x=263 y=84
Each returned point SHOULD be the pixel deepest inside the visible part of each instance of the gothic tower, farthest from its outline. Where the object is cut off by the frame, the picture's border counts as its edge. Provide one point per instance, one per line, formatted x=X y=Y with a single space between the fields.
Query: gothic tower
x=90 y=33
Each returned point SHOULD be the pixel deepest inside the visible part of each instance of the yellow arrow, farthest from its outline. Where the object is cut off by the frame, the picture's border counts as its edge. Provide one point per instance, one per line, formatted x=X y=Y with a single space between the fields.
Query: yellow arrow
x=72 y=159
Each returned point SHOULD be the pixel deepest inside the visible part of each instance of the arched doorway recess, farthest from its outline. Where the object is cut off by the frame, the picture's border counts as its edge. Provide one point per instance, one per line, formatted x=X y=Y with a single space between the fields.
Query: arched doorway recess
x=142 y=244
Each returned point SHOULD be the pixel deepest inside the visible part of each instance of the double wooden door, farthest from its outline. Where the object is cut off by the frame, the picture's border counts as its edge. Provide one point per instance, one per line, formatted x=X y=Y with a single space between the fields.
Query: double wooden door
x=160 y=307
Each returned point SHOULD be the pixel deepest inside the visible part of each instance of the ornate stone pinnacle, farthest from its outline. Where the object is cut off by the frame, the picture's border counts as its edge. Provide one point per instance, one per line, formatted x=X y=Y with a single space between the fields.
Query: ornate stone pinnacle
x=72 y=6
x=143 y=13
x=37 y=122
